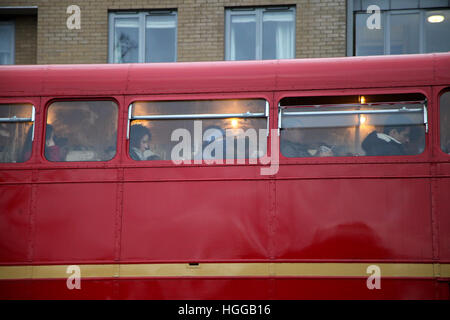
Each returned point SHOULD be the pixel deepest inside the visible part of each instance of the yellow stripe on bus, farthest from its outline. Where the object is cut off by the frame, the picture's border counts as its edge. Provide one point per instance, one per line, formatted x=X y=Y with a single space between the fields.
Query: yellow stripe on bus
x=415 y=270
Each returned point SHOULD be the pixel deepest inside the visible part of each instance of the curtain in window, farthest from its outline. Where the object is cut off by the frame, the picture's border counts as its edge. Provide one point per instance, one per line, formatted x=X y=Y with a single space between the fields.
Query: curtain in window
x=278 y=35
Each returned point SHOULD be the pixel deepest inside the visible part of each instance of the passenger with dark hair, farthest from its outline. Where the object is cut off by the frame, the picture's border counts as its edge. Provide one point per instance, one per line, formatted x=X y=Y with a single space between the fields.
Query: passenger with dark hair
x=389 y=143
x=52 y=150
x=26 y=150
x=140 y=138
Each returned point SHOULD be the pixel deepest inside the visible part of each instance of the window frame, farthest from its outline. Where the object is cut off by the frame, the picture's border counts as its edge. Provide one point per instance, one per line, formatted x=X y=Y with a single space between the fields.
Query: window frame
x=258 y=12
x=440 y=92
x=386 y=16
x=267 y=96
x=22 y=120
x=91 y=164
x=142 y=18
x=13 y=40
x=425 y=156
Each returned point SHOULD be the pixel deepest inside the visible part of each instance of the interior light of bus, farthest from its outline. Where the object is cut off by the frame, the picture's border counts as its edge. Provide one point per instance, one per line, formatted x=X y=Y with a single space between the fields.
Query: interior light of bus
x=362 y=99
x=362 y=119
x=234 y=123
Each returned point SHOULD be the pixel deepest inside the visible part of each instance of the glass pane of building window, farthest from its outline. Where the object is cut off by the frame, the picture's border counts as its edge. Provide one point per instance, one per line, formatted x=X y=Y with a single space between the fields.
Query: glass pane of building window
x=437 y=31
x=278 y=35
x=243 y=37
x=15 y=137
x=212 y=125
x=6 y=42
x=404 y=33
x=161 y=35
x=369 y=42
x=81 y=131
x=445 y=121
x=126 y=40
x=353 y=130
x=260 y=33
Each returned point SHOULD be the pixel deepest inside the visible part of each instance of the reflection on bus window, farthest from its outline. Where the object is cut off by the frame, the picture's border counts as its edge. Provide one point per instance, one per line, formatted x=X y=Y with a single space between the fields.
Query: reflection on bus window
x=81 y=131
x=229 y=123
x=445 y=122
x=16 y=130
x=359 y=129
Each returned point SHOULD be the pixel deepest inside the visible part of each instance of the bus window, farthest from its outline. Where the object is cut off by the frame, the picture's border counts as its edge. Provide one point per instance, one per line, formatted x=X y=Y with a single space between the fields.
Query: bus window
x=445 y=121
x=81 y=131
x=364 y=126
x=16 y=132
x=217 y=129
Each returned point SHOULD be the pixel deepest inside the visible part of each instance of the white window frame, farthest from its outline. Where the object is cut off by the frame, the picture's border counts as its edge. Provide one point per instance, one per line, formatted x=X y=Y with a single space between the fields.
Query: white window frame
x=142 y=18
x=258 y=12
x=12 y=59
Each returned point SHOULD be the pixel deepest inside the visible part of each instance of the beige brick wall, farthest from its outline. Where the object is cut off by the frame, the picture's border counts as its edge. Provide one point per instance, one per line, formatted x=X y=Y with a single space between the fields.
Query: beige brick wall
x=320 y=27
x=26 y=39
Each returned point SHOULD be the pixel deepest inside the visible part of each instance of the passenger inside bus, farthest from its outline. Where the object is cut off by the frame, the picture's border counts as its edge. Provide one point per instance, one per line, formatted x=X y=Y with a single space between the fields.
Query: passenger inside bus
x=26 y=151
x=392 y=141
x=15 y=142
x=140 y=138
x=52 y=150
x=292 y=145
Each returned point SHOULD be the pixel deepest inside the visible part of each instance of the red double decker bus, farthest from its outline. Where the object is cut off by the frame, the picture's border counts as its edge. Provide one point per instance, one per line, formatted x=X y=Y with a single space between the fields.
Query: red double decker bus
x=288 y=179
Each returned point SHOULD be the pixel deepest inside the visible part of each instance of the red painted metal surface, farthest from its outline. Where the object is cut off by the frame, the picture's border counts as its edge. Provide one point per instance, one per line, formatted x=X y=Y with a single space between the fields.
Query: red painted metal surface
x=336 y=209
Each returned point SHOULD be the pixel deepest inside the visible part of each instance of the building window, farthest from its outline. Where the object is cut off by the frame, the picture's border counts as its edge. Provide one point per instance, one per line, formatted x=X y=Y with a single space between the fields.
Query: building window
x=143 y=37
x=6 y=42
x=260 y=33
x=411 y=28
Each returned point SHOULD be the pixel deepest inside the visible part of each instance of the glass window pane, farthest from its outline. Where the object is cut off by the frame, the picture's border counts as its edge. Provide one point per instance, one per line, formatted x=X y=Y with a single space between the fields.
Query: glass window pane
x=437 y=31
x=369 y=42
x=15 y=137
x=81 y=131
x=126 y=40
x=313 y=135
x=160 y=36
x=278 y=35
x=198 y=107
x=6 y=43
x=404 y=33
x=243 y=37
x=151 y=139
x=445 y=121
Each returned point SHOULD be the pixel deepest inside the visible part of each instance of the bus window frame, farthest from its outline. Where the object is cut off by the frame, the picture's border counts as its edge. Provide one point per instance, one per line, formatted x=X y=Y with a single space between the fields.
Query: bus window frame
x=422 y=157
x=438 y=91
x=48 y=101
x=35 y=102
x=130 y=99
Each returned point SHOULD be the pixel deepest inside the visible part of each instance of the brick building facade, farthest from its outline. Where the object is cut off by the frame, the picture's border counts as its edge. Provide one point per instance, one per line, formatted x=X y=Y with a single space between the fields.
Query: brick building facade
x=43 y=37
